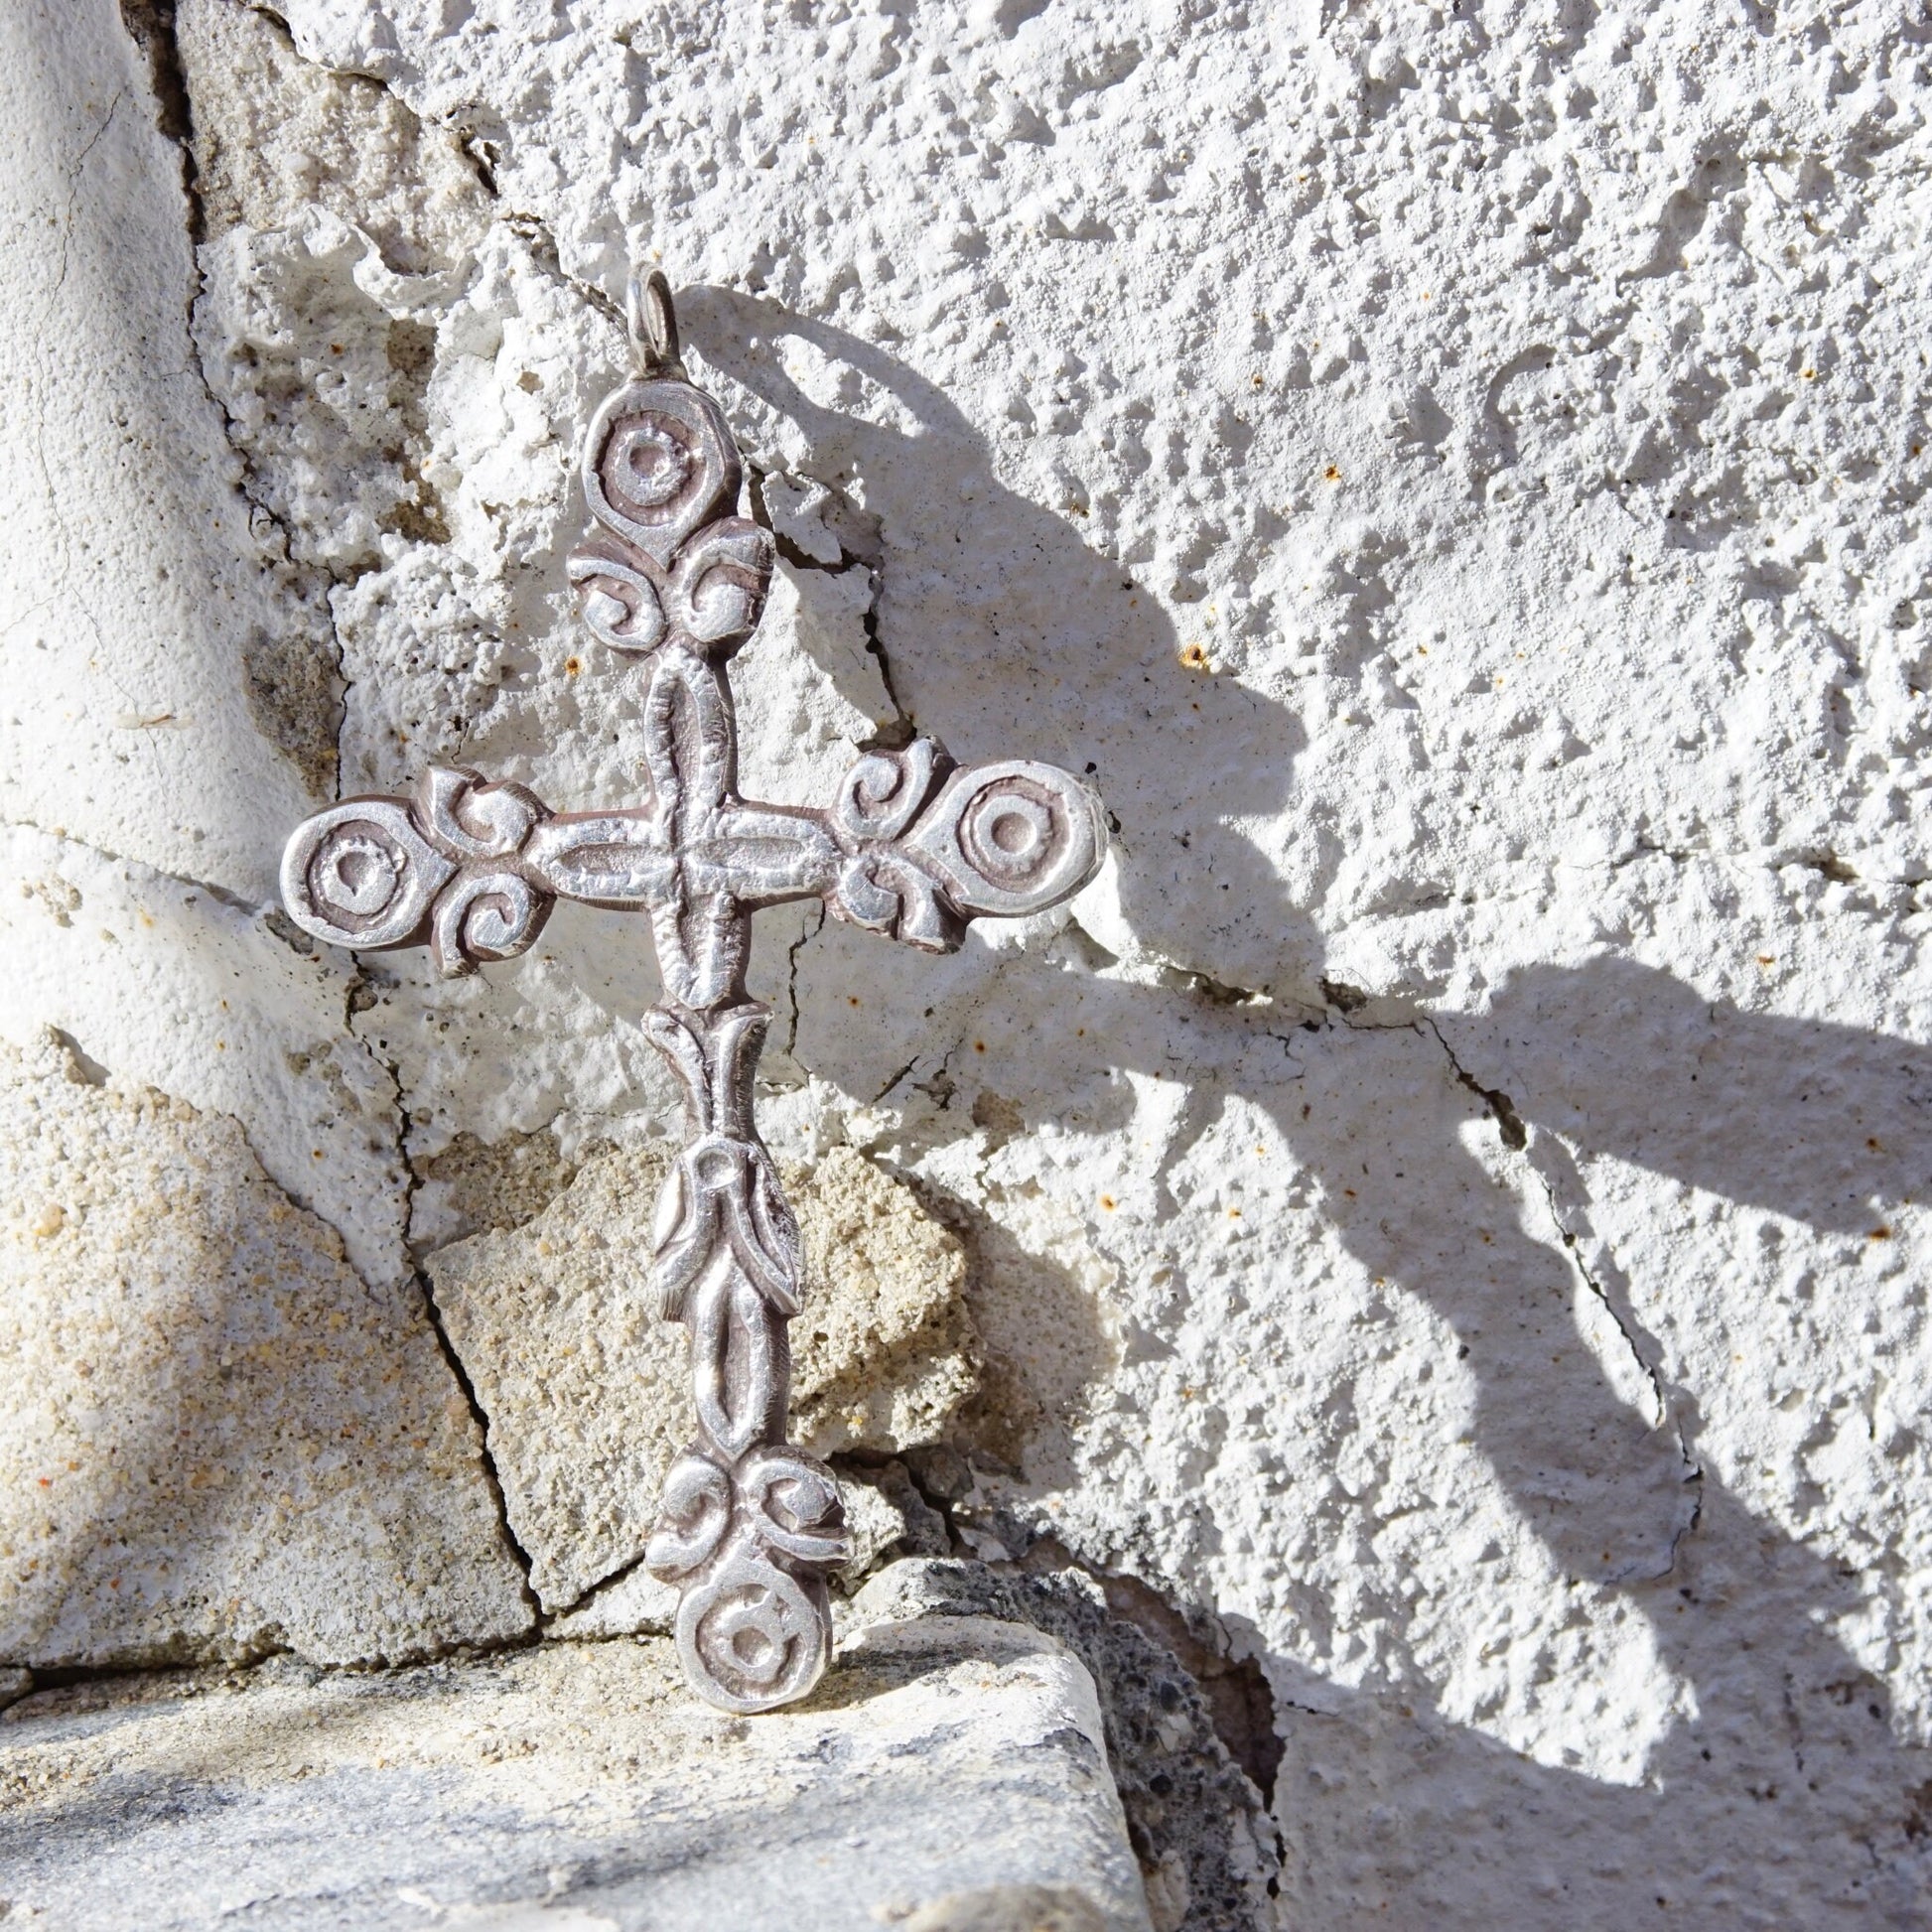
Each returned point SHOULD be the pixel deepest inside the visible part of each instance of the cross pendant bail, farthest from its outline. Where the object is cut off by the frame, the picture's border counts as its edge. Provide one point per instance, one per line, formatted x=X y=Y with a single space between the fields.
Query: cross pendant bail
x=673 y=579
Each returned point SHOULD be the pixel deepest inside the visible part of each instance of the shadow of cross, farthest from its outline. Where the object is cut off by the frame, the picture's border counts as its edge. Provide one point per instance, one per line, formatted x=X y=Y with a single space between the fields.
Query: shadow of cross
x=911 y=847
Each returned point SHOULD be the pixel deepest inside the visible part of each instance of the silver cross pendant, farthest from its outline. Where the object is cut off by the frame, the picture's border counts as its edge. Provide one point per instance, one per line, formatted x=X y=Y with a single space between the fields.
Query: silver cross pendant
x=913 y=847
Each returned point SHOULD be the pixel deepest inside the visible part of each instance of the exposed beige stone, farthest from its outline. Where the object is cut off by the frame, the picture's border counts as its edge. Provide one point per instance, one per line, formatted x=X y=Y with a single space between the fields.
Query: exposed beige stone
x=275 y=135
x=885 y=1350
x=218 y=1440
x=588 y=1395
x=475 y=1184
x=585 y=1393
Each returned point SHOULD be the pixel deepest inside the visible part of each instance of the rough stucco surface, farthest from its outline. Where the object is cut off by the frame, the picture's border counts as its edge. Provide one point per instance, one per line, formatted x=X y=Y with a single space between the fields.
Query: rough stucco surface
x=1447 y=1204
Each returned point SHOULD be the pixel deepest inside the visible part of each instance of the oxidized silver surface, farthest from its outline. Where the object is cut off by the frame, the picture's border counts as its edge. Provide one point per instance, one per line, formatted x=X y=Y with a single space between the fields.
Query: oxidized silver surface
x=913 y=847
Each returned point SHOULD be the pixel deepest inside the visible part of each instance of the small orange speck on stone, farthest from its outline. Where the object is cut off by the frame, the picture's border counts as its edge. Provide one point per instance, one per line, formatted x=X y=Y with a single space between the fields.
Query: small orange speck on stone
x=1880 y=1234
x=1766 y=959
x=1107 y=1201
x=1193 y=658
x=1234 y=1214
x=1331 y=473
x=571 y=665
x=979 y=1046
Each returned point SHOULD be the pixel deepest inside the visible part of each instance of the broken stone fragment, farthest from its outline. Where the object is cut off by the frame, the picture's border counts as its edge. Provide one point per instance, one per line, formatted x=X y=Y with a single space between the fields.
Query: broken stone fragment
x=218 y=1440
x=587 y=1398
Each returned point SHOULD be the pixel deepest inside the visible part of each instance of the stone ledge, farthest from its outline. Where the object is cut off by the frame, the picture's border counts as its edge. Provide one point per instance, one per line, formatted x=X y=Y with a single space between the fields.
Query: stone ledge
x=949 y=1776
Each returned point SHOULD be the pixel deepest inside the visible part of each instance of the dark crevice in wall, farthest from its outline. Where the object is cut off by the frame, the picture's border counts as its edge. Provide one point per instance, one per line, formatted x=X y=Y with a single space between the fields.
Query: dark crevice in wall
x=151 y=26
x=1501 y=1109
x=1235 y=1689
x=1345 y=999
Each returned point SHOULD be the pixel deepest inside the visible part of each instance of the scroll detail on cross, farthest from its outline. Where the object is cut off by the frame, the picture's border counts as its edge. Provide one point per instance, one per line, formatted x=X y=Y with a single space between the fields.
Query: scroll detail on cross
x=913 y=847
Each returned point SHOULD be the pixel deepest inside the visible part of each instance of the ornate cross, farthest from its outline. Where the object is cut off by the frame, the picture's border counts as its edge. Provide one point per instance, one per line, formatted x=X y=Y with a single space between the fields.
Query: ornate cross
x=911 y=847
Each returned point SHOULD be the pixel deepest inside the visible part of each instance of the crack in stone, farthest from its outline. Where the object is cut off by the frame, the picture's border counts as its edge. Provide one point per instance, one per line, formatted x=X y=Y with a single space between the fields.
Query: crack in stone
x=73 y=185
x=541 y=238
x=792 y=951
x=150 y=25
x=1515 y=1136
x=460 y=1374
x=1652 y=1374
x=938 y=1089
x=1502 y=1110
x=476 y=148
x=900 y=1076
x=903 y=728
x=628 y=1567
x=61 y=1676
x=1668 y=1407
x=790 y=549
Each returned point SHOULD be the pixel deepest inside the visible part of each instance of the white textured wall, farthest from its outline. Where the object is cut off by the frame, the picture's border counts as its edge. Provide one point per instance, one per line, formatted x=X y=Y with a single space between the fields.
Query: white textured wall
x=1449 y=1200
